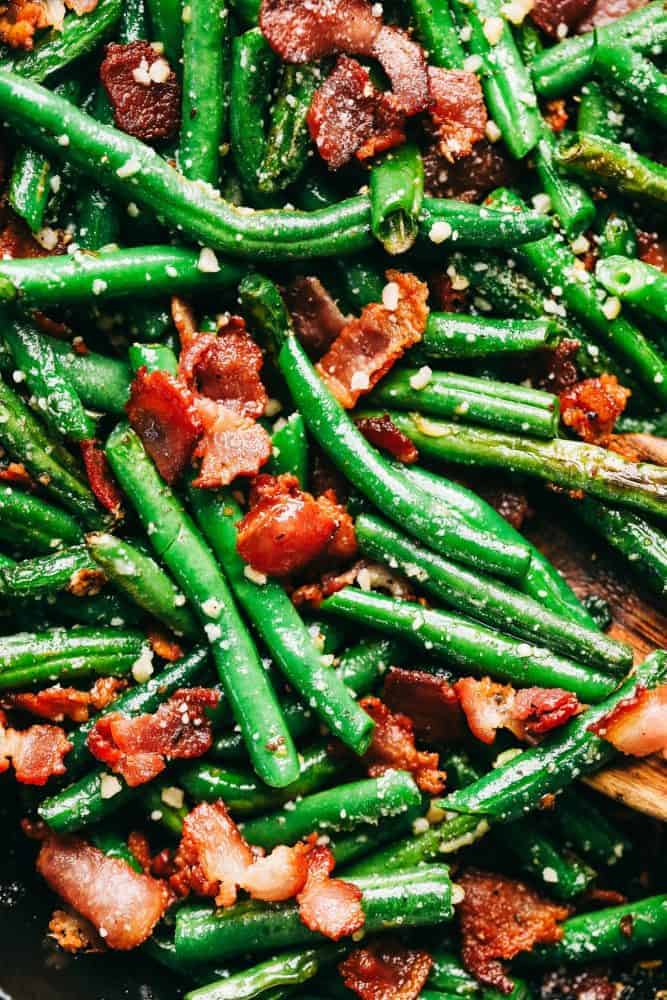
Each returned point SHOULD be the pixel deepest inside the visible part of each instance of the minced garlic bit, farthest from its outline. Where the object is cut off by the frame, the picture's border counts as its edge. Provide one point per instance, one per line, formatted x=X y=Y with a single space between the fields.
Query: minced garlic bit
x=493 y=29
x=440 y=231
x=580 y=245
x=109 y=786
x=421 y=378
x=142 y=669
x=612 y=307
x=390 y=296
x=472 y=64
x=129 y=168
x=173 y=796
x=254 y=575
x=542 y=203
x=459 y=281
x=359 y=382
x=517 y=10
x=208 y=262
x=491 y=131
x=211 y=607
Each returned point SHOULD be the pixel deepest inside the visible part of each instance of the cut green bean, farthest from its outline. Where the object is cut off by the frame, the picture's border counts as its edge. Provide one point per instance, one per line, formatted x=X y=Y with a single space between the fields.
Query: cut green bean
x=437 y=32
x=581 y=824
x=397 y=193
x=49 y=574
x=452 y=335
x=166 y=17
x=617 y=234
x=56 y=671
x=203 y=112
x=292 y=968
x=27 y=513
x=634 y=79
x=154 y=357
x=614 y=165
x=633 y=281
x=289 y=449
x=572 y=205
x=29 y=186
x=598 y=114
x=288 y=141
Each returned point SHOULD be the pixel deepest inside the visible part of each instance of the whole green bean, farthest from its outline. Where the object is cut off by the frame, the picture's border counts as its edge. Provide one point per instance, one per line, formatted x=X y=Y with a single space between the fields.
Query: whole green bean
x=253 y=68
x=572 y=205
x=27 y=649
x=634 y=79
x=178 y=543
x=397 y=193
x=633 y=281
x=614 y=165
x=468 y=646
x=154 y=357
x=453 y=335
x=292 y=968
x=205 y=40
x=56 y=671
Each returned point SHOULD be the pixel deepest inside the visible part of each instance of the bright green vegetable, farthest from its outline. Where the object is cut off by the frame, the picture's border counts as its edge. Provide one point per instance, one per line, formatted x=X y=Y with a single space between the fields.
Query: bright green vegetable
x=633 y=281
x=613 y=165
x=458 y=336
x=397 y=193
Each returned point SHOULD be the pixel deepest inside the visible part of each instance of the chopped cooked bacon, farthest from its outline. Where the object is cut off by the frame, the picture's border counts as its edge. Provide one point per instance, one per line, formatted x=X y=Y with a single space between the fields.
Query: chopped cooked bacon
x=74 y=934
x=105 y=690
x=301 y=31
x=349 y=117
x=139 y=747
x=605 y=11
x=163 y=644
x=592 y=407
x=54 y=703
x=393 y=747
x=429 y=701
x=558 y=367
x=652 y=250
x=638 y=724
x=86 y=582
x=470 y=178
x=232 y=445
x=213 y=859
x=404 y=63
x=556 y=115
x=640 y=447
x=315 y=314
x=16 y=474
x=386 y=970
x=326 y=904
x=369 y=345
x=384 y=434
x=17 y=242
x=343 y=543
x=457 y=109
x=163 y=414
x=501 y=917
x=489 y=706
x=445 y=297
x=20 y=19
x=286 y=528
x=122 y=904
x=550 y=15
x=226 y=369
x=143 y=90
x=183 y=316
x=36 y=753
x=100 y=476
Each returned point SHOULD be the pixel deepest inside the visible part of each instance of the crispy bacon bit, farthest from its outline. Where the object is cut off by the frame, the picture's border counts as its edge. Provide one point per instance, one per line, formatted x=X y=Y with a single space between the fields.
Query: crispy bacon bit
x=86 y=582
x=285 y=528
x=404 y=63
x=16 y=240
x=101 y=479
x=445 y=297
x=342 y=545
x=556 y=115
x=638 y=724
x=36 y=753
x=232 y=445
x=549 y=15
x=349 y=117
x=74 y=934
x=429 y=701
x=143 y=90
x=315 y=314
x=226 y=369
x=122 y=904
x=470 y=178
x=54 y=703
x=393 y=747
x=329 y=905
x=384 y=434
x=162 y=412
x=213 y=859
x=386 y=970
x=139 y=747
x=105 y=690
x=560 y=370
x=163 y=644
x=592 y=407
x=457 y=109
x=640 y=447
x=652 y=250
x=183 y=316
x=16 y=474
x=605 y=11
x=369 y=345
x=501 y=917
x=489 y=706
x=19 y=20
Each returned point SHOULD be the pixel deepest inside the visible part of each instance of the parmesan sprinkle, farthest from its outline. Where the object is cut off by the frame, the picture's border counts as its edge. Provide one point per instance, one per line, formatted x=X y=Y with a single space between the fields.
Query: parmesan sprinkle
x=173 y=796
x=208 y=262
x=109 y=786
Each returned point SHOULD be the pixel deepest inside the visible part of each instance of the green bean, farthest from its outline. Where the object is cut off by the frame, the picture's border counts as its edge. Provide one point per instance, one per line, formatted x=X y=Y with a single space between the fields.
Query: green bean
x=52 y=467
x=140 y=577
x=276 y=620
x=634 y=79
x=29 y=186
x=492 y=603
x=633 y=281
x=341 y=808
x=291 y=968
x=471 y=400
x=133 y=25
x=639 y=541
x=253 y=67
x=97 y=213
x=49 y=574
x=58 y=48
x=166 y=17
x=56 y=671
x=154 y=357
x=26 y=513
x=572 y=464
x=360 y=282
x=617 y=234
x=114 y=845
x=111 y=274
x=571 y=204
x=47 y=380
x=245 y=795
x=169 y=817
x=179 y=545
x=448 y=974
x=614 y=165
x=468 y=646
x=203 y=113
x=397 y=193
x=361 y=463
x=518 y=786
x=561 y=873
x=528 y=40
x=563 y=67
x=581 y=824
x=28 y=649
x=412 y=898
x=597 y=114
x=288 y=141
x=453 y=335
x=289 y=451
x=369 y=837
x=606 y=934
x=437 y=32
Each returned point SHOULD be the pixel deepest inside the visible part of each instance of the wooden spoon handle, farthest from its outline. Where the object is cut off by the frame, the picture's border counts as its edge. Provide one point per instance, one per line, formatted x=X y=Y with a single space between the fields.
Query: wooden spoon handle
x=639 y=784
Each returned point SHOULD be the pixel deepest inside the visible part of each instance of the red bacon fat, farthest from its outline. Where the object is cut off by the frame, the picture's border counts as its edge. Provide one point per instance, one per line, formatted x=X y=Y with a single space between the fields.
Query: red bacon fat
x=429 y=701
x=326 y=904
x=592 y=407
x=384 y=434
x=162 y=412
x=100 y=477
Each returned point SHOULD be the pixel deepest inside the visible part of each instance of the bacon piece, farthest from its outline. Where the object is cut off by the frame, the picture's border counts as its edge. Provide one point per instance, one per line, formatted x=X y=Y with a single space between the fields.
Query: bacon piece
x=605 y=11
x=393 y=747
x=101 y=479
x=19 y=20
x=301 y=31
x=36 y=753
x=489 y=706
x=404 y=63
x=285 y=528
x=105 y=690
x=384 y=434
x=640 y=447
x=17 y=242
x=232 y=445
x=139 y=747
x=213 y=859
x=74 y=934
x=501 y=917
x=226 y=369
x=315 y=314
x=556 y=114
x=368 y=346
x=122 y=904
x=457 y=109
x=143 y=91
x=163 y=414
x=652 y=250
x=349 y=117
x=183 y=316
x=429 y=701
x=54 y=703
x=386 y=970
x=557 y=369
x=17 y=474
x=592 y=407
x=342 y=545
x=329 y=905
x=638 y=724
x=549 y=15
x=162 y=643
x=468 y=179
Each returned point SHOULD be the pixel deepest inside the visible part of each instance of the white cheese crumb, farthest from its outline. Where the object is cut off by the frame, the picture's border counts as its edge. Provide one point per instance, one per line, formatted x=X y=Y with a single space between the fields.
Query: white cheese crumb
x=549 y=874
x=99 y=286
x=472 y=64
x=390 y=296
x=213 y=632
x=493 y=29
x=160 y=71
x=211 y=607
x=359 y=382
x=580 y=245
x=141 y=75
x=612 y=307
x=208 y=262
x=542 y=203
x=129 y=168
x=491 y=131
